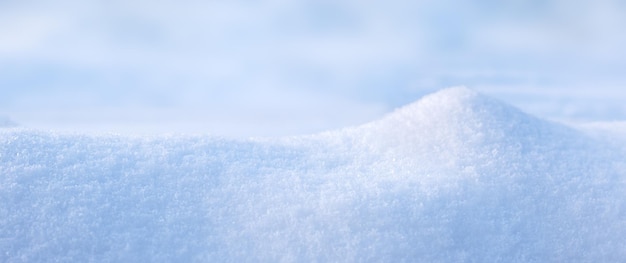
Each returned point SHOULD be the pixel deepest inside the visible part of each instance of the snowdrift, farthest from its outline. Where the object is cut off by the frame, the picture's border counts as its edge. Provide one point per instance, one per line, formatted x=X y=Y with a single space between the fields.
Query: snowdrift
x=6 y=122
x=455 y=177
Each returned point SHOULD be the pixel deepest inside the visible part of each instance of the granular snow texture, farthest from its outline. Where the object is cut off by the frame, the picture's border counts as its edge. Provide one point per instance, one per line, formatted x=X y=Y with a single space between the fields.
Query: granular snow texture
x=455 y=177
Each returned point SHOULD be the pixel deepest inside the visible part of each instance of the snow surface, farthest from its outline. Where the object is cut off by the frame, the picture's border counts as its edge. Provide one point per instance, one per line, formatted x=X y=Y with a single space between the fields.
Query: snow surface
x=454 y=177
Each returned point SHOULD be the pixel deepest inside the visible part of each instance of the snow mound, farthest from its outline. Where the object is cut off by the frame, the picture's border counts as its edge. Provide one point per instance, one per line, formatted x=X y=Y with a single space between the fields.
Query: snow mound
x=455 y=177
x=6 y=122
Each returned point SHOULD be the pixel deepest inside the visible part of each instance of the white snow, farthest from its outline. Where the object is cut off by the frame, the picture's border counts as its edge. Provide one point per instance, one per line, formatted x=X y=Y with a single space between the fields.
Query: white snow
x=454 y=177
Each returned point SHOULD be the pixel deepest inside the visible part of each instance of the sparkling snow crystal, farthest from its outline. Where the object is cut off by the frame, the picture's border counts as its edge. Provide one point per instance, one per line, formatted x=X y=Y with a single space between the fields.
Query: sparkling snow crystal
x=455 y=177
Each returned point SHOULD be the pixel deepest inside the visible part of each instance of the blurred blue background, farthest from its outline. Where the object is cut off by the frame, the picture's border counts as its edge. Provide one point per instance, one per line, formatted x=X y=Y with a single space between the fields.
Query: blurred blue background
x=281 y=67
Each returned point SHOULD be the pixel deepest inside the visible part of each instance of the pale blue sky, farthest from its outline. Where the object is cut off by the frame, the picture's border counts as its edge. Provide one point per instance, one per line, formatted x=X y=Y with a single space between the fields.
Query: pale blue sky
x=287 y=67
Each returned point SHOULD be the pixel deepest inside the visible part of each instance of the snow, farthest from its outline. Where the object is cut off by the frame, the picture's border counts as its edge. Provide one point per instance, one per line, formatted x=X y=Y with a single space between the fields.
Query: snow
x=6 y=122
x=454 y=177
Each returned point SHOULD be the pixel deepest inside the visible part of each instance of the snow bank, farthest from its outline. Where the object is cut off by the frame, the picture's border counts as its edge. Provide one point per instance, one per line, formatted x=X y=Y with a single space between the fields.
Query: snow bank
x=454 y=177
x=6 y=122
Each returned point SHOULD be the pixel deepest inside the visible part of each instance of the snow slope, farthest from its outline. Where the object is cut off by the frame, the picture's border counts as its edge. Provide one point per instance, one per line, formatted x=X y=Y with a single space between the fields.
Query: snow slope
x=6 y=122
x=455 y=177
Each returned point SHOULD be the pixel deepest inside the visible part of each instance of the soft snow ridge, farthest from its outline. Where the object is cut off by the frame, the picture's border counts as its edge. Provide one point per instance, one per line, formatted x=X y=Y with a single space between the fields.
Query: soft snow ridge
x=6 y=122
x=454 y=177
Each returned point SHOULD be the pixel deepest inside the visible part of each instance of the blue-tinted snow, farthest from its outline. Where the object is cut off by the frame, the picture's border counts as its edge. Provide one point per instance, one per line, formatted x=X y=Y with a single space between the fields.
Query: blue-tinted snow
x=6 y=122
x=454 y=177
